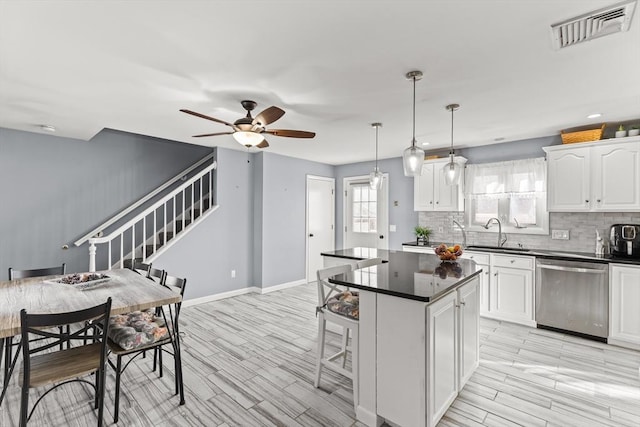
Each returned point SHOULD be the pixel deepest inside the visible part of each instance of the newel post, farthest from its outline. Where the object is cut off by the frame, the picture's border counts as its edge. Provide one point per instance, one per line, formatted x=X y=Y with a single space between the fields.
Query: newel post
x=92 y=256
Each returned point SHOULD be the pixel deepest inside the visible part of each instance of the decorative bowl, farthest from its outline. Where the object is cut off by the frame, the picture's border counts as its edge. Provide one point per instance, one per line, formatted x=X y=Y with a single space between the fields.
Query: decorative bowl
x=448 y=253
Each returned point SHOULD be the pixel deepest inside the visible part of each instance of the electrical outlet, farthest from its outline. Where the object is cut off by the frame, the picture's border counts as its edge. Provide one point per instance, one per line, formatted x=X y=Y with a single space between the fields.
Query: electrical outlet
x=233 y=274
x=560 y=234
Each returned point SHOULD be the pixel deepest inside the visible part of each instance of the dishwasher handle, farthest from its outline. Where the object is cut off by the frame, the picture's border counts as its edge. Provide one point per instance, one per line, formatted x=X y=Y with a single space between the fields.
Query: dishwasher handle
x=571 y=269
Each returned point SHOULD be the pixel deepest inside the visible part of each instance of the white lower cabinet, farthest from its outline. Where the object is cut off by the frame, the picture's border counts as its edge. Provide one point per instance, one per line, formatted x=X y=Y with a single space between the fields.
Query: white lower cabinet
x=425 y=354
x=624 y=298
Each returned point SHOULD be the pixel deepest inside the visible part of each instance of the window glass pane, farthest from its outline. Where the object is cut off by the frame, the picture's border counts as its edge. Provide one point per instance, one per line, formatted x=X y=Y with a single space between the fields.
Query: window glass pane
x=364 y=209
x=484 y=209
x=523 y=209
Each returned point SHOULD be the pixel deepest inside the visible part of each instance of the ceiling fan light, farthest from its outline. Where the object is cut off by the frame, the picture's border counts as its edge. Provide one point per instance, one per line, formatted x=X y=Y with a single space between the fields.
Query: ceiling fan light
x=412 y=160
x=250 y=139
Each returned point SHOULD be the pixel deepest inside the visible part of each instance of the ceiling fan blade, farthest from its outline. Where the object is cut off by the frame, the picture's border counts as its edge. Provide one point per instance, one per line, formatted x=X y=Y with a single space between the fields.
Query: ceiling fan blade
x=213 y=134
x=269 y=115
x=291 y=133
x=202 y=116
x=263 y=144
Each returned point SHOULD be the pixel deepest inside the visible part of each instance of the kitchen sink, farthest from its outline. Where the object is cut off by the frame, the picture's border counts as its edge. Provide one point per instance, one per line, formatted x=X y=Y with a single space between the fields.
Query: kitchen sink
x=497 y=248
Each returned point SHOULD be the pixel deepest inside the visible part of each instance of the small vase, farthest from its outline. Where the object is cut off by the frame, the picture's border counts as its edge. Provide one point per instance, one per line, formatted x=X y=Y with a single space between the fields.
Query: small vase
x=621 y=133
x=422 y=241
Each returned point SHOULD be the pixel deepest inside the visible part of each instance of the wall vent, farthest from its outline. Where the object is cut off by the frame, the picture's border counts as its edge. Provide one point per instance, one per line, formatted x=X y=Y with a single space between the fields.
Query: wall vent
x=601 y=22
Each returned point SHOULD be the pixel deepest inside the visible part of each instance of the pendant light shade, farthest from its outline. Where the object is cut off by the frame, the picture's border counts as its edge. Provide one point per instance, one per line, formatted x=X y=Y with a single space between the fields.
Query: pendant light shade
x=376 y=177
x=452 y=170
x=413 y=157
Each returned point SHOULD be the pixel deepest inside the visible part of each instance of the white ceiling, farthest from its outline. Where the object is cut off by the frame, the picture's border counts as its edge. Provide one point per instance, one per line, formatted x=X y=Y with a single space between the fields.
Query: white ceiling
x=333 y=66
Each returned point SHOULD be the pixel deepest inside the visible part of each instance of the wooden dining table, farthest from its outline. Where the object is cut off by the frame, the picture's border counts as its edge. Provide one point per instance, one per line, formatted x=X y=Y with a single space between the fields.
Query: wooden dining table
x=129 y=291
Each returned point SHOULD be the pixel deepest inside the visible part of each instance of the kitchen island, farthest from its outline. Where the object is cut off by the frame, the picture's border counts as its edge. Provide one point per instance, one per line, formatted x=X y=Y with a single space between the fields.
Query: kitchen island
x=418 y=333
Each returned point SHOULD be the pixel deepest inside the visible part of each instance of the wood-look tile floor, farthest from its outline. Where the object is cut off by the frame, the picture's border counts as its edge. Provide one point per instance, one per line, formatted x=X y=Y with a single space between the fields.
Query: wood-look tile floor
x=249 y=361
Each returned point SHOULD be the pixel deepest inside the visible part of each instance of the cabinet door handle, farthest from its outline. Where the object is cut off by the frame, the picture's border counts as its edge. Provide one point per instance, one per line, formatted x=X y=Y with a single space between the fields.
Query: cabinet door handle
x=430 y=202
x=598 y=200
x=586 y=201
x=512 y=261
x=462 y=303
x=495 y=274
x=437 y=203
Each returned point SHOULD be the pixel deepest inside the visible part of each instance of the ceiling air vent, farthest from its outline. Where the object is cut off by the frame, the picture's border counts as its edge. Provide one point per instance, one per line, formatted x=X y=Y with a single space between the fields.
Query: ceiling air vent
x=601 y=22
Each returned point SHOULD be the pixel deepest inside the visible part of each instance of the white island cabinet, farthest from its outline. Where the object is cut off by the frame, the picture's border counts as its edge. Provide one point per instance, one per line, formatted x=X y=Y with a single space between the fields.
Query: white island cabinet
x=624 y=306
x=419 y=335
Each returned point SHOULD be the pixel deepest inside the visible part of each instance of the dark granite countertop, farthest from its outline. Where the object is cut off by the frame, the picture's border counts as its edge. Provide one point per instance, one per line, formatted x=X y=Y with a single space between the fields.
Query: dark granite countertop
x=421 y=277
x=544 y=253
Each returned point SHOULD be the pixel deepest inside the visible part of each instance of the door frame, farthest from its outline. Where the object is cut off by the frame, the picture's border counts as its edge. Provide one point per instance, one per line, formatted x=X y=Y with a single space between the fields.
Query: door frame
x=306 y=221
x=345 y=185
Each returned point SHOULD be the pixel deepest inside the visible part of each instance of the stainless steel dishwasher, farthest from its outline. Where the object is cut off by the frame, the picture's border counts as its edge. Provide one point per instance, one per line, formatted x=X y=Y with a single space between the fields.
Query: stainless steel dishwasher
x=573 y=296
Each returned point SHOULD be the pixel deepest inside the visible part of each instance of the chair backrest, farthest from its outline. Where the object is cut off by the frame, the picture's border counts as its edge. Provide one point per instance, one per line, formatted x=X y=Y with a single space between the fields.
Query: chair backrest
x=156 y=274
x=49 y=271
x=137 y=266
x=177 y=285
x=326 y=289
x=94 y=318
x=368 y=262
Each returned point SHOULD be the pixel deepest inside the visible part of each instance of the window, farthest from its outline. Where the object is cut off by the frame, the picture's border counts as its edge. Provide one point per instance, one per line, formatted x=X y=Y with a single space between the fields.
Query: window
x=365 y=208
x=513 y=191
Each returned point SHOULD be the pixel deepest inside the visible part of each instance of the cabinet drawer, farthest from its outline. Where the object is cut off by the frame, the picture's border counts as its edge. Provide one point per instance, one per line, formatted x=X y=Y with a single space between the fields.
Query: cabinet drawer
x=513 y=261
x=479 y=258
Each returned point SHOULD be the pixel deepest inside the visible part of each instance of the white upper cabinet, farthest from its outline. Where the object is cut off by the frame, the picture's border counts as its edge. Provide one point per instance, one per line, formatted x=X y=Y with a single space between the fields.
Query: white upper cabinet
x=431 y=193
x=602 y=176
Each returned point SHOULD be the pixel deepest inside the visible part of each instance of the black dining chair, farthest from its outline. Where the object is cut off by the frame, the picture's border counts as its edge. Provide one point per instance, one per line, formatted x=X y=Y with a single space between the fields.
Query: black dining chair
x=42 y=367
x=166 y=316
x=6 y=346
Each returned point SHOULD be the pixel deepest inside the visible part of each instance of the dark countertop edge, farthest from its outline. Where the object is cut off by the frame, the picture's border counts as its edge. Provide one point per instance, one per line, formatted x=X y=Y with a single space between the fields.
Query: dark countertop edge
x=355 y=258
x=540 y=253
x=429 y=300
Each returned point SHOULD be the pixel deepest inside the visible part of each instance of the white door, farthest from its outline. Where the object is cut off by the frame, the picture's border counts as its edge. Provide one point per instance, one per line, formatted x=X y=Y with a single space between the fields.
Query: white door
x=568 y=177
x=320 y=221
x=616 y=177
x=366 y=214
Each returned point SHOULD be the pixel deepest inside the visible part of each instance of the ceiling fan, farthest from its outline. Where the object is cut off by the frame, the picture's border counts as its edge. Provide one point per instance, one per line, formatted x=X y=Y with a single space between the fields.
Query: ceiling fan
x=249 y=131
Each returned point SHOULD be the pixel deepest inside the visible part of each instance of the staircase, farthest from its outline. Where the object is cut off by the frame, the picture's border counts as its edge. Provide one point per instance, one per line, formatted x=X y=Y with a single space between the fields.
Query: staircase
x=157 y=227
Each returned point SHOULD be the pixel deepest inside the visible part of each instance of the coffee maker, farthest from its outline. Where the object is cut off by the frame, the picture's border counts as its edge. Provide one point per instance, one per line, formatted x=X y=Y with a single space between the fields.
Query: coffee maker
x=625 y=240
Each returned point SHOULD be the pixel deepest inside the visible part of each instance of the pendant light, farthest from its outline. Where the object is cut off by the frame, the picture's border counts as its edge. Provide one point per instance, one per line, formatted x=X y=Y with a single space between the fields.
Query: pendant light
x=452 y=170
x=376 y=177
x=413 y=157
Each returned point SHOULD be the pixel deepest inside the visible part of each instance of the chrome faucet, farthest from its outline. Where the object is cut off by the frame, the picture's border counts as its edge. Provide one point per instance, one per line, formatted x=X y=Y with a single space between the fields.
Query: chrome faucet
x=464 y=233
x=500 y=240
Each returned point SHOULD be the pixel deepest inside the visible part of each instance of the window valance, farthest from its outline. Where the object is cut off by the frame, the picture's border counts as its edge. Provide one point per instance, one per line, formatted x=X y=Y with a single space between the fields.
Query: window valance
x=515 y=178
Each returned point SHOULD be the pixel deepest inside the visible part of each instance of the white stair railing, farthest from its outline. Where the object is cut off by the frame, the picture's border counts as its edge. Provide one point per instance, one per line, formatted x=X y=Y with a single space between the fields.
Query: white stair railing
x=155 y=229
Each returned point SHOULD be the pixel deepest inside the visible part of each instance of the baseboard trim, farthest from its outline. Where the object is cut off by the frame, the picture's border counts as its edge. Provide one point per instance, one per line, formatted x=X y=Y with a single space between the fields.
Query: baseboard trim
x=222 y=295
x=368 y=418
x=280 y=286
x=247 y=290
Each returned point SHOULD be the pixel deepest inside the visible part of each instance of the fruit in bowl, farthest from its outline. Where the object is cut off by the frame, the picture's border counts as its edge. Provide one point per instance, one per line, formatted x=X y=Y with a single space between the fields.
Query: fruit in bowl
x=448 y=253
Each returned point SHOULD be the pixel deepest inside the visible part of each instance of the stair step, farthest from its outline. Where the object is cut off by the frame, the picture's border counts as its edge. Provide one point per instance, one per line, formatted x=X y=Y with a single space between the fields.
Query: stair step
x=150 y=250
x=178 y=227
x=161 y=236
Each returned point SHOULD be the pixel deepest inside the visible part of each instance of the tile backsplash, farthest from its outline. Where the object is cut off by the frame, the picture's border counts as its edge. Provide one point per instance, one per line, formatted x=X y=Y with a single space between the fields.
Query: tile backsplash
x=581 y=226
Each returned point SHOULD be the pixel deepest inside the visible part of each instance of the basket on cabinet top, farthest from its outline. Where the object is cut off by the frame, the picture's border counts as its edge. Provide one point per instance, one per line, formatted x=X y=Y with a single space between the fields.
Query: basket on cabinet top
x=582 y=136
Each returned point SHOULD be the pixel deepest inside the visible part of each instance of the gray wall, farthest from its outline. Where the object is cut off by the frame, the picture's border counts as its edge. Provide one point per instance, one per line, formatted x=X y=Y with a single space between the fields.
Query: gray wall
x=400 y=190
x=54 y=190
x=283 y=225
x=224 y=241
